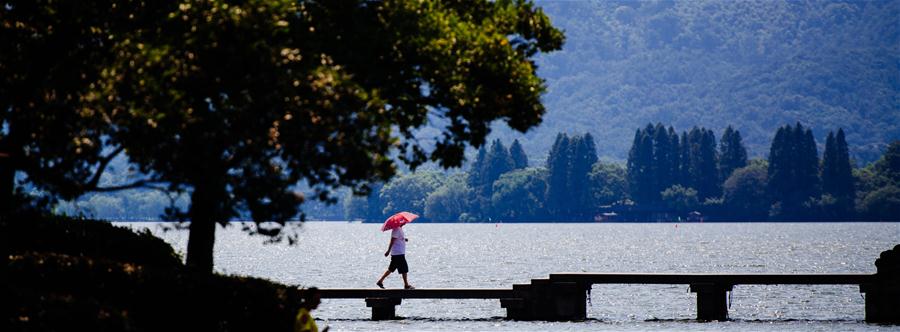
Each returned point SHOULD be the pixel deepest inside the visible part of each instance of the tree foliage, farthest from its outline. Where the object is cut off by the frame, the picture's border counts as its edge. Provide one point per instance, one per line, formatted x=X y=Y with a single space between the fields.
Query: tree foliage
x=557 y=179
x=519 y=195
x=449 y=201
x=497 y=163
x=680 y=199
x=409 y=192
x=608 y=184
x=879 y=192
x=237 y=102
x=744 y=192
x=520 y=159
x=52 y=127
x=732 y=153
x=793 y=171
x=659 y=160
x=837 y=174
x=582 y=156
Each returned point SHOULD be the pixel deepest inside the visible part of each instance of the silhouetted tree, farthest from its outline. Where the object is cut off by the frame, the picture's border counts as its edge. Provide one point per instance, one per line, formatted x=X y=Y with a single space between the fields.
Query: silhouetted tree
x=583 y=156
x=674 y=169
x=808 y=164
x=684 y=160
x=520 y=159
x=665 y=159
x=793 y=171
x=476 y=175
x=237 y=104
x=732 y=153
x=639 y=172
x=837 y=174
x=557 y=178
x=54 y=118
x=700 y=166
x=497 y=163
x=476 y=180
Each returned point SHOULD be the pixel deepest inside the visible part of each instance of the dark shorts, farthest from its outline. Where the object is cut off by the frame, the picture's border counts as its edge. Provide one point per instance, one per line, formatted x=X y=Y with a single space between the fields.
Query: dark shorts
x=398 y=262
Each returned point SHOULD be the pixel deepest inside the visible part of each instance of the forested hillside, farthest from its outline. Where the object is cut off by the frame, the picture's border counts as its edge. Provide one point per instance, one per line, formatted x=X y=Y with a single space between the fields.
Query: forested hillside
x=755 y=65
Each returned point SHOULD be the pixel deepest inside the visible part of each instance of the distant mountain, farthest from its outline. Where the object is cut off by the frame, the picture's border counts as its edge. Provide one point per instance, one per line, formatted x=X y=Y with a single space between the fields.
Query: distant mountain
x=753 y=64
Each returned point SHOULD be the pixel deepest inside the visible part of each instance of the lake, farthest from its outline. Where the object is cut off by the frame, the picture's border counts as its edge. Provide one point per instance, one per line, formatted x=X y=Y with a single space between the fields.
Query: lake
x=346 y=255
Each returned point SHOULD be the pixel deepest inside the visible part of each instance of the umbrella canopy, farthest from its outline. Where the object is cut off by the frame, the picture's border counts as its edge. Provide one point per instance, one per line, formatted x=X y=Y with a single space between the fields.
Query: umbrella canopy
x=398 y=220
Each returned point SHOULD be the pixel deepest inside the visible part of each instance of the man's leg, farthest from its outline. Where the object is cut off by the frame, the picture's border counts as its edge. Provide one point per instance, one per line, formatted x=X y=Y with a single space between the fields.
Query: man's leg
x=381 y=280
x=405 y=282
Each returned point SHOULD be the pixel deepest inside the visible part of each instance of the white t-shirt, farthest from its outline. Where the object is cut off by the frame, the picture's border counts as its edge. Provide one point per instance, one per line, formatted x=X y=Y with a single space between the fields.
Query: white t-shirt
x=399 y=246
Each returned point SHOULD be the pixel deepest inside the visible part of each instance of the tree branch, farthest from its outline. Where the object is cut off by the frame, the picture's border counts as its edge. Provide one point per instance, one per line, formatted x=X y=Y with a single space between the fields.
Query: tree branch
x=91 y=185
x=143 y=183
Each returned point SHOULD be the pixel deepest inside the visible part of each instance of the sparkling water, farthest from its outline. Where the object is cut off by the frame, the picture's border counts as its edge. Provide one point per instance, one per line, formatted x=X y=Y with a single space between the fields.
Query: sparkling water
x=351 y=255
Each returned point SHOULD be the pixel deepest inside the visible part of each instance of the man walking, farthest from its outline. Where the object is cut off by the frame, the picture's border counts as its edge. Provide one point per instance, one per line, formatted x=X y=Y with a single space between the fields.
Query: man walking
x=397 y=250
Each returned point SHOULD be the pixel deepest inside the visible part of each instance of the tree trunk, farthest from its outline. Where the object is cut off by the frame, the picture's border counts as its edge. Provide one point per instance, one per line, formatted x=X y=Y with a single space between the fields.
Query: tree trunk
x=206 y=203
x=7 y=185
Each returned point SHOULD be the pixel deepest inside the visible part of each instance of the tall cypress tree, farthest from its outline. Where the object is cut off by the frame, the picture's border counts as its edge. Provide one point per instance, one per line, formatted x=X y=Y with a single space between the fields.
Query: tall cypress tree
x=558 y=168
x=476 y=170
x=520 y=160
x=663 y=159
x=780 y=172
x=476 y=181
x=684 y=160
x=693 y=171
x=793 y=170
x=732 y=153
x=640 y=158
x=674 y=170
x=707 y=177
x=837 y=177
x=583 y=155
x=699 y=163
x=808 y=182
x=496 y=163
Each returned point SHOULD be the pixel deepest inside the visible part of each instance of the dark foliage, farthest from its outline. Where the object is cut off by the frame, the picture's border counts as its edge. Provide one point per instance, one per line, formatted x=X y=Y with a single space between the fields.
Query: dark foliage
x=82 y=275
x=90 y=238
x=520 y=159
x=837 y=176
x=793 y=172
x=732 y=153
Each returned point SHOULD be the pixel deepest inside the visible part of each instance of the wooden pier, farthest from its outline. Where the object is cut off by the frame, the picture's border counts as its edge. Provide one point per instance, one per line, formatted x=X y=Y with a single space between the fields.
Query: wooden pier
x=563 y=296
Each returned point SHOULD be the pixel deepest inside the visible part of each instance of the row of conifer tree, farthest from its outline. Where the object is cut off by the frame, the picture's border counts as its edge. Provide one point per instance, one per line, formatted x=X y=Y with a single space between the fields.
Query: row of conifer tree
x=667 y=173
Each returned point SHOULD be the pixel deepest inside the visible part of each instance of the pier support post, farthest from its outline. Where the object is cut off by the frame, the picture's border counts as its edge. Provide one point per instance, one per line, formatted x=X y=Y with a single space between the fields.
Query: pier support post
x=548 y=300
x=711 y=301
x=882 y=303
x=569 y=301
x=883 y=295
x=383 y=307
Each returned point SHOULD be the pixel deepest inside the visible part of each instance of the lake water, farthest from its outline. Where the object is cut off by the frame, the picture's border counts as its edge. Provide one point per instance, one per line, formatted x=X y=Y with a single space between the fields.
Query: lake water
x=346 y=255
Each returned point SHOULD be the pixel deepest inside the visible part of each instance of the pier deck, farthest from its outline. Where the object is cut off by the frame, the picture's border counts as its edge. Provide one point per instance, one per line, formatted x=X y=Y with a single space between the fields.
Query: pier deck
x=562 y=296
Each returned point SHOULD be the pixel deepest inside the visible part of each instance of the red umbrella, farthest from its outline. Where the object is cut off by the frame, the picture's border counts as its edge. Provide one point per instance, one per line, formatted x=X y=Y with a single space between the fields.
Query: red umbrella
x=398 y=220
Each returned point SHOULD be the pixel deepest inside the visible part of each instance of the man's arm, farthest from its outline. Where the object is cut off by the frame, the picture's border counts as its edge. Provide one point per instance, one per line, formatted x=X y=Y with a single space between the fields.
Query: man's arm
x=389 y=247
